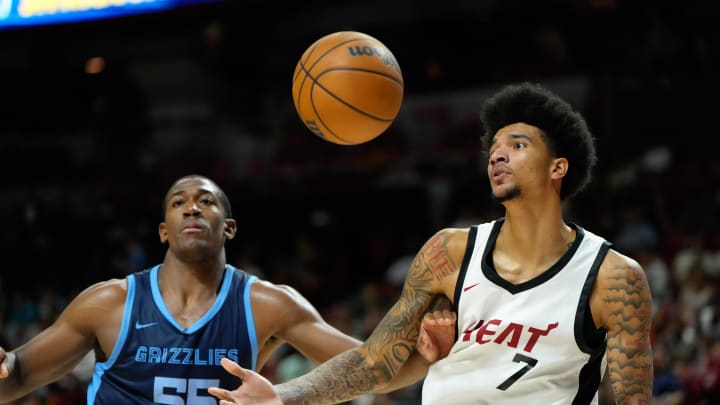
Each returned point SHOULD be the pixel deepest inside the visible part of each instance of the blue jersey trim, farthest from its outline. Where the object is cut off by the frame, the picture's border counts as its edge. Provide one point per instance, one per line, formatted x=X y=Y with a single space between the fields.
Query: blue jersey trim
x=219 y=301
x=252 y=336
x=157 y=297
x=101 y=367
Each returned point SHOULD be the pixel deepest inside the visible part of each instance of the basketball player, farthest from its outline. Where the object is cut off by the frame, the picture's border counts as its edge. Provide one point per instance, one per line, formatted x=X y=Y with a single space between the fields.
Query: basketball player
x=543 y=305
x=159 y=334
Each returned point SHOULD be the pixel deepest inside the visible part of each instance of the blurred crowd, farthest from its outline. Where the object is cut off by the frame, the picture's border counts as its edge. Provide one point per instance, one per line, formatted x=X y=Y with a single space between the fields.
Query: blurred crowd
x=347 y=249
x=91 y=157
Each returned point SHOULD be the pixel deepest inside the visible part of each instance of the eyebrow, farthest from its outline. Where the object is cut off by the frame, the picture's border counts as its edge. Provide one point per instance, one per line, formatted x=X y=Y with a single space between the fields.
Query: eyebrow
x=514 y=136
x=200 y=191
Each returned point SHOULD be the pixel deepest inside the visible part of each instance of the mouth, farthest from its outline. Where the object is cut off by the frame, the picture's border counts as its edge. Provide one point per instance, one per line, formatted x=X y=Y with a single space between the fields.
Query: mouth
x=498 y=176
x=192 y=229
x=498 y=173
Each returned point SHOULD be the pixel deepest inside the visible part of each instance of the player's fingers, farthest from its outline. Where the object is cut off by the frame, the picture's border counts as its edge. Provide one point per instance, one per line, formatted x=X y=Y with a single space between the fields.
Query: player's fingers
x=431 y=317
x=422 y=337
x=426 y=345
x=219 y=393
x=234 y=368
x=443 y=316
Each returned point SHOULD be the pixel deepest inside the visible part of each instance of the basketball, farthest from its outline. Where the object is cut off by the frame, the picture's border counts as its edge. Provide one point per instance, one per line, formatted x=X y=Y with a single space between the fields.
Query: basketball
x=347 y=88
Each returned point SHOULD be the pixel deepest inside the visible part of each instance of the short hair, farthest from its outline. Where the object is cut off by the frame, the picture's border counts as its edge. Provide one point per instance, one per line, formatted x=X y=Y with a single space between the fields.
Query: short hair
x=563 y=129
x=224 y=200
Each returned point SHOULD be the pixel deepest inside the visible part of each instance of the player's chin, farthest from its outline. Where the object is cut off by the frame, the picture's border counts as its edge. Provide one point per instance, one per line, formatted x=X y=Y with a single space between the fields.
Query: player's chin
x=193 y=242
x=194 y=250
x=506 y=192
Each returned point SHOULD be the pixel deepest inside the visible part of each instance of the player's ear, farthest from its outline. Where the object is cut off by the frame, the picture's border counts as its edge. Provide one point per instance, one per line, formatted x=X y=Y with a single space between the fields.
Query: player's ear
x=162 y=231
x=230 y=228
x=559 y=168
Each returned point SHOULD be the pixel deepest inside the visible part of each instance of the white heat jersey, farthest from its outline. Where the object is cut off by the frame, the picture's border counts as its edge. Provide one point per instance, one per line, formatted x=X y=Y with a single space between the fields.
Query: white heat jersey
x=522 y=343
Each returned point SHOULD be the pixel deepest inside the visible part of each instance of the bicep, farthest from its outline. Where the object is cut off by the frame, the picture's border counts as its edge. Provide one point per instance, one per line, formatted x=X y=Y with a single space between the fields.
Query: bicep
x=267 y=350
x=295 y=320
x=317 y=340
x=626 y=314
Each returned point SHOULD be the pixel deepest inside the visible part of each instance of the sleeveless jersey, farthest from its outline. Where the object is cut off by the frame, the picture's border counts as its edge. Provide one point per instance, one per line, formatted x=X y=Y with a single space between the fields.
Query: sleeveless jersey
x=522 y=343
x=156 y=360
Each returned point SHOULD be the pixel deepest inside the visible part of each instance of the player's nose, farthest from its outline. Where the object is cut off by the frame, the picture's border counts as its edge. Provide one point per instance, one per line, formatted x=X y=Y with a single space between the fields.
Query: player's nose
x=497 y=156
x=192 y=209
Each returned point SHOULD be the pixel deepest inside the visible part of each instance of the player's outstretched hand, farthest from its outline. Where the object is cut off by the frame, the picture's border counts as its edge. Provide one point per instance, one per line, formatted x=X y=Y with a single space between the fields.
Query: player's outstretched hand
x=255 y=389
x=437 y=334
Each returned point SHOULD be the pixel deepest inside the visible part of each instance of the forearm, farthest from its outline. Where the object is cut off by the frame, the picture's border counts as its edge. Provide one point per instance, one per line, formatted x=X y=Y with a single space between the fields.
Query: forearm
x=32 y=372
x=631 y=376
x=10 y=390
x=414 y=370
x=321 y=386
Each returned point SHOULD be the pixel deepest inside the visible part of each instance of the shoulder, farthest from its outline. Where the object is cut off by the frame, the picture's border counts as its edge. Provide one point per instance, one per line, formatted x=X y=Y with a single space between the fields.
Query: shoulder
x=437 y=265
x=279 y=299
x=619 y=267
x=263 y=289
x=97 y=303
x=446 y=248
x=105 y=292
x=451 y=240
x=278 y=308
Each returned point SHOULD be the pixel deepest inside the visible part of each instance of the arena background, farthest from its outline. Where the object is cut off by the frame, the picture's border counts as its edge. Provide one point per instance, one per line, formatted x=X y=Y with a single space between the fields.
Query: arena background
x=99 y=117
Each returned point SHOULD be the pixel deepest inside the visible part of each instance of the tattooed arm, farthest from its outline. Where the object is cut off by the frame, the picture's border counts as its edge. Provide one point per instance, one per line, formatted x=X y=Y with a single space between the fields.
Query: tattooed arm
x=371 y=366
x=621 y=304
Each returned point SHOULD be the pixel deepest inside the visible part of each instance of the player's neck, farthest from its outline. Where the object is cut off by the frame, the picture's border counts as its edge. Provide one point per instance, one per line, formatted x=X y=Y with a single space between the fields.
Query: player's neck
x=192 y=278
x=539 y=232
x=189 y=290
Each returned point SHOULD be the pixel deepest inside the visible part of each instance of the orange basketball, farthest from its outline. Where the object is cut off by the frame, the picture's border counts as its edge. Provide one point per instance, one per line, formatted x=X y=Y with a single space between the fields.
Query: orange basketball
x=347 y=88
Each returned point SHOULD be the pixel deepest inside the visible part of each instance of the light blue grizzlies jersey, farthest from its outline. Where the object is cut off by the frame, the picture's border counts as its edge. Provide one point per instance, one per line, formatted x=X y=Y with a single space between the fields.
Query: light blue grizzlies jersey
x=156 y=360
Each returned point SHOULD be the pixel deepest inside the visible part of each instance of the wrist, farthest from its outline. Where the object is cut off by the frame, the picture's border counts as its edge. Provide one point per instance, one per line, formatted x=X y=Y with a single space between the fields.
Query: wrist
x=11 y=363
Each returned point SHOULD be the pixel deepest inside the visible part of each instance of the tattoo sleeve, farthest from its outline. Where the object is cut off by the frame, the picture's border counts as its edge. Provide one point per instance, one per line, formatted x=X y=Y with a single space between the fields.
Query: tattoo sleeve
x=372 y=365
x=629 y=355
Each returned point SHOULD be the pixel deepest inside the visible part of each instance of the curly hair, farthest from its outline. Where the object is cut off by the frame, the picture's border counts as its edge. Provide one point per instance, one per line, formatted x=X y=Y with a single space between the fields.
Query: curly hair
x=563 y=129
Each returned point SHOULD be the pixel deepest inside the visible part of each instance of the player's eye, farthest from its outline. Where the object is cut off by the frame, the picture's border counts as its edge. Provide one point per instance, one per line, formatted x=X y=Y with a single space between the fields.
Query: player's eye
x=207 y=201
x=177 y=203
x=520 y=145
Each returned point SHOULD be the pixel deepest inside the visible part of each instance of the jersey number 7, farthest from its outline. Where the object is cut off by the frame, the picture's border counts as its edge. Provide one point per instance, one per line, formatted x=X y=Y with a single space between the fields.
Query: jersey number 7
x=530 y=363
